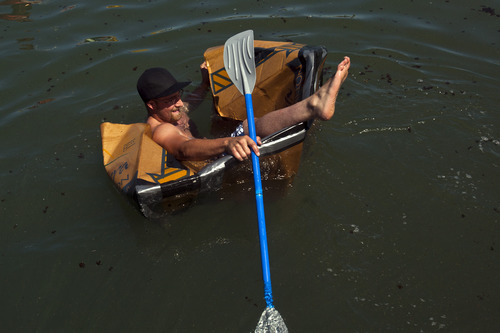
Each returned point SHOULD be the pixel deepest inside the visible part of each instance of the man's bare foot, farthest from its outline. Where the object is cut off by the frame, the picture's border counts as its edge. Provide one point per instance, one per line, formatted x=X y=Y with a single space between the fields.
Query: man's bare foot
x=323 y=101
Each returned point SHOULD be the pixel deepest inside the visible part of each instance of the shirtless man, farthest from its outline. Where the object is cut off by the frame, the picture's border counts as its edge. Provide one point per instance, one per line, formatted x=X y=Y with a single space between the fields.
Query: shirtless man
x=170 y=124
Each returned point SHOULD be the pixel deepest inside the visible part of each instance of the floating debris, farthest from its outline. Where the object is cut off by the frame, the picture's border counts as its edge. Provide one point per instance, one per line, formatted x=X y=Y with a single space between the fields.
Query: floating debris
x=66 y=8
x=484 y=140
x=140 y=50
x=45 y=101
x=161 y=31
x=489 y=10
x=101 y=39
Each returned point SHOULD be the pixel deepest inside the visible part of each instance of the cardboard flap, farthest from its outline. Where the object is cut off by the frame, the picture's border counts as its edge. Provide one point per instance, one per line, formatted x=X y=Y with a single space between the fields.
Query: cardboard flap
x=278 y=72
x=129 y=155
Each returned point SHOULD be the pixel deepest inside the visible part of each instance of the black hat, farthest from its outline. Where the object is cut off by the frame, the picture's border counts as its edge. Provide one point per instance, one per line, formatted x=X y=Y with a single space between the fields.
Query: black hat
x=158 y=82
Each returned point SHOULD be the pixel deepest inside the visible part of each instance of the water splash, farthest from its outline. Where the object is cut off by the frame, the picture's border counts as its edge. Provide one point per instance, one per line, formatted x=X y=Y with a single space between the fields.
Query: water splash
x=271 y=322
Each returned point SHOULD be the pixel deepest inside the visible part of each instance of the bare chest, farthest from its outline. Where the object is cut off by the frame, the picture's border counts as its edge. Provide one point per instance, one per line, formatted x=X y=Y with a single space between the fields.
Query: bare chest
x=183 y=125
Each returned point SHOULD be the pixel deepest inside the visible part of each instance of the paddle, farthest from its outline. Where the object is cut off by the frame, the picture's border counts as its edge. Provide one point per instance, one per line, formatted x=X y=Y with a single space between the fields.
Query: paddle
x=239 y=61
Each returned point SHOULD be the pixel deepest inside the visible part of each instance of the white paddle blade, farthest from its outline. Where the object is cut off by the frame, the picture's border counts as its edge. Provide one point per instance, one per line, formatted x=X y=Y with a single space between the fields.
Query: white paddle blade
x=271 y=322
x=239 y=61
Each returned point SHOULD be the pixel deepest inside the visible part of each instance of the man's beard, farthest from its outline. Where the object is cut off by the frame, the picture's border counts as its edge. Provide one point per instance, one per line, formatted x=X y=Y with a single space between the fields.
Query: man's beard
x=184 y=108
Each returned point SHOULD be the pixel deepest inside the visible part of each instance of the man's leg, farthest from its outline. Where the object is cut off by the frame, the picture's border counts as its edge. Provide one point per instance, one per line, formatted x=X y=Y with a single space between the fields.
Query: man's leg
x=320 y=105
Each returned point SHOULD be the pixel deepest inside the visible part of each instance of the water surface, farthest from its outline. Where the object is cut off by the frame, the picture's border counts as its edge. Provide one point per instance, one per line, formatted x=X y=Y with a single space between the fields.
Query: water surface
x=392 y=223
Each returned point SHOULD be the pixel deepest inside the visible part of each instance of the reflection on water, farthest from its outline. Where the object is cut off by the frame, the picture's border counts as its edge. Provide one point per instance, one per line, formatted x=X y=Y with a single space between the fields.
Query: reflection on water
x=23 y=45
x=20 y=10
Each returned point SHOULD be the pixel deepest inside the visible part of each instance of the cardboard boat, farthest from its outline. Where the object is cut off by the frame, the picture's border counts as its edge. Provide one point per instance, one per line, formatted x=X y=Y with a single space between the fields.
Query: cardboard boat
x=143 y=170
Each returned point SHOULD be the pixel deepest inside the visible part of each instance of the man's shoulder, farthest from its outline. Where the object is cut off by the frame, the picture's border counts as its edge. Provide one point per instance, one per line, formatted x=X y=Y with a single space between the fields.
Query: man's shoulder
x=157 y=125
x=168 y=131
x=164 y=129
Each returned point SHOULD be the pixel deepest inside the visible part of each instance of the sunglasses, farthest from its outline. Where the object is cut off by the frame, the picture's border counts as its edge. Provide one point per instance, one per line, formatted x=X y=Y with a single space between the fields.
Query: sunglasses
x=172 y=100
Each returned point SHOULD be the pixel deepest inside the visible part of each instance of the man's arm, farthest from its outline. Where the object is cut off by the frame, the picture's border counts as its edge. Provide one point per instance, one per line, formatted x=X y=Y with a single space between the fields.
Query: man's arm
x=185 y=148
x=194 y=99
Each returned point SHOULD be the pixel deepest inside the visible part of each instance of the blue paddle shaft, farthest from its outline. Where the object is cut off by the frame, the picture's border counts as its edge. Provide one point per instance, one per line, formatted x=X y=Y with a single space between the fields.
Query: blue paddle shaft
x=260 y=206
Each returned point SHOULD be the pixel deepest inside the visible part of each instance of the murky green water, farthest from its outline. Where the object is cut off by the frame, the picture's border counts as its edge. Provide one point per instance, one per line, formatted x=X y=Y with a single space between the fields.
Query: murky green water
x=392 y=223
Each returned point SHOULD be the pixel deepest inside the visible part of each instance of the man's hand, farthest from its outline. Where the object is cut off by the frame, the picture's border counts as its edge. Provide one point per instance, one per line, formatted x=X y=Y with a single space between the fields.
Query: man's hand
x=240 y=147
x=205 y=80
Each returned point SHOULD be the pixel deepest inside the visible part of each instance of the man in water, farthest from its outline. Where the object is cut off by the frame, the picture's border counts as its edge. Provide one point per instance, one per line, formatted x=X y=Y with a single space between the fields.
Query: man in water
x=172 y=128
